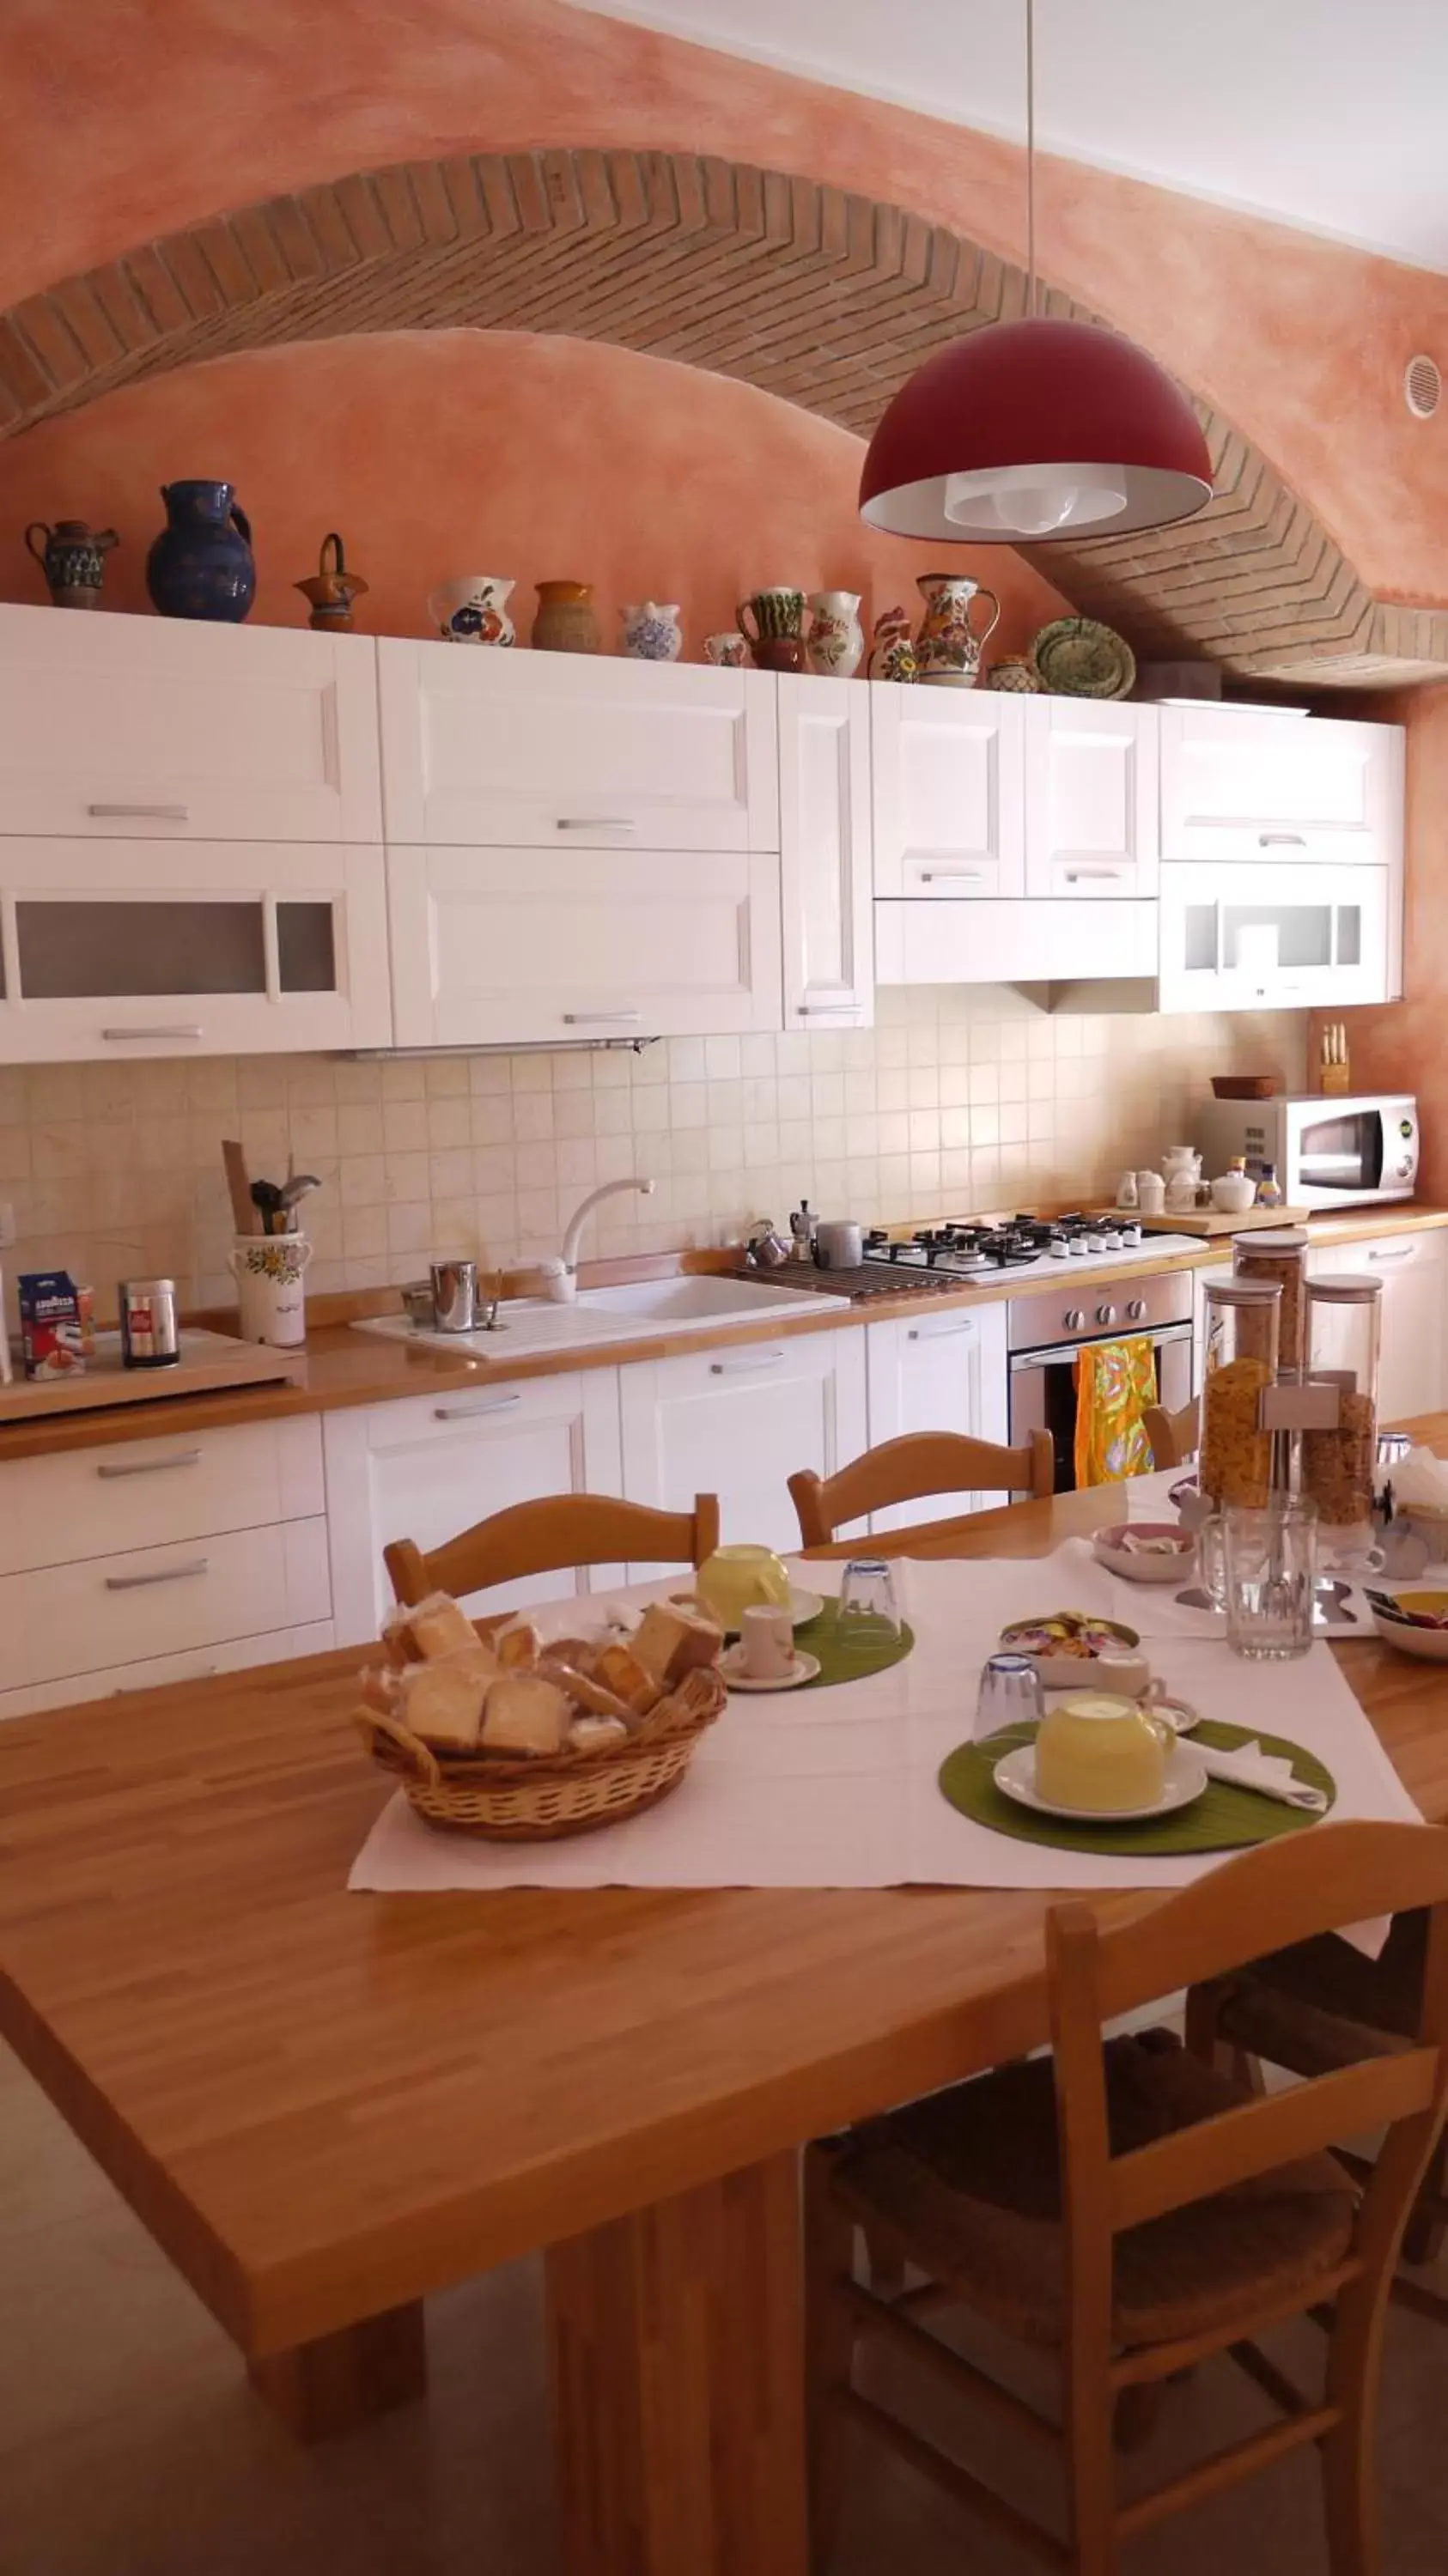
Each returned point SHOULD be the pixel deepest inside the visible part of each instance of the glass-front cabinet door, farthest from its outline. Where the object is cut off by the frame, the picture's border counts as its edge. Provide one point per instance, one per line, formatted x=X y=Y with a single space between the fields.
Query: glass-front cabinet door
x=1279 y=938
x=211 y=949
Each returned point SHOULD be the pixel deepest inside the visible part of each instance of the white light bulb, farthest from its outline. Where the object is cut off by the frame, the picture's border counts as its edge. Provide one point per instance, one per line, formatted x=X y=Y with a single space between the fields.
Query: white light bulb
x=1035 y=500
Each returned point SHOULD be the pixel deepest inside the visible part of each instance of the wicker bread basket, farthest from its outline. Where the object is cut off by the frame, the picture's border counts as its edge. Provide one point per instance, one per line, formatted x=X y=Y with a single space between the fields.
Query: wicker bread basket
x=539 y=1799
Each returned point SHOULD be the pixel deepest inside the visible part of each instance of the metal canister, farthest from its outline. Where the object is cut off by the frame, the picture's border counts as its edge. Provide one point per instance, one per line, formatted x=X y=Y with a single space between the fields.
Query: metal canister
x=455 y=1295
x=150 y=1329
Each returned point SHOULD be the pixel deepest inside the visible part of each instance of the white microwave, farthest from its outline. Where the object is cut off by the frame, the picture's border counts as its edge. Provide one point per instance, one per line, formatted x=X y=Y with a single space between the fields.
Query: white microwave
x=1326 y=1152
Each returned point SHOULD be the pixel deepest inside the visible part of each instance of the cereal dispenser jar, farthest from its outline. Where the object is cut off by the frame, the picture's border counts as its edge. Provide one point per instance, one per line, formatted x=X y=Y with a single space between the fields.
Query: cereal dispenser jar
x=1280 y=1254
x=1344 y=1326
x=1243 y=1319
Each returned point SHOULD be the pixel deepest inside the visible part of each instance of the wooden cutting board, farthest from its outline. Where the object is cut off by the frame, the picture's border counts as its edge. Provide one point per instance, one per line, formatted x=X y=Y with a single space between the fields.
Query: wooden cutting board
x=209 y=1363
x=1208 y=1222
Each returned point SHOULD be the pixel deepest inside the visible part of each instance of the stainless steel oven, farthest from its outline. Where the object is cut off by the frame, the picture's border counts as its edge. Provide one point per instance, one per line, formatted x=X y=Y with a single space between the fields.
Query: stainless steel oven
x=1047 y=1330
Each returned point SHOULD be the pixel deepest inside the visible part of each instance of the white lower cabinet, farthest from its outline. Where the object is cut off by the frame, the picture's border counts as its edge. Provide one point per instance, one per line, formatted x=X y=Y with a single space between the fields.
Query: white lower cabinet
x=427 y=1467
x=84 y=1617
x=938 y=1373
x=116 y=1681
x=739 y=1423
x=1413 y=1268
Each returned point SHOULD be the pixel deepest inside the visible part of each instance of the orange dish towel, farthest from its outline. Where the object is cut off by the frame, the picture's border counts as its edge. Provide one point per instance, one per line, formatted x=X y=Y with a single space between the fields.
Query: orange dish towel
x=1115 y=1382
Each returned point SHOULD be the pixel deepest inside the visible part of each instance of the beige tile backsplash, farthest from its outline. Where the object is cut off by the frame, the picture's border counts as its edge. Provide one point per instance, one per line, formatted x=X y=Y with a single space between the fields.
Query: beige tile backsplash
x=961 y=1098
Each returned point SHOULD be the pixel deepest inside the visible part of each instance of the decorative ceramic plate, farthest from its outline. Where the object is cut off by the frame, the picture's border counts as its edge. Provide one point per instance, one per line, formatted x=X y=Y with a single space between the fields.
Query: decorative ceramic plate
x=1186 y=1778
x=731 y=1665
x=1079 y=658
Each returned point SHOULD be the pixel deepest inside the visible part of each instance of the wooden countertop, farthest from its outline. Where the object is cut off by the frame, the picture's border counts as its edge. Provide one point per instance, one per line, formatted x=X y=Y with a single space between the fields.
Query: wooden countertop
x=325 y=2105
x=344 y=1367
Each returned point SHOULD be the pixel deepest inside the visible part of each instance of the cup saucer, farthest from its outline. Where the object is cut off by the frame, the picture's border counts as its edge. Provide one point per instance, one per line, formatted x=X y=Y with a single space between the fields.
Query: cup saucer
x=731 y=1666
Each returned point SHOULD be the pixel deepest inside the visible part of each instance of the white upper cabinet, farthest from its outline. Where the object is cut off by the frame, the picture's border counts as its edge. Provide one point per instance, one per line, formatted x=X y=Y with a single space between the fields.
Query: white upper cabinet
x=1245 y=783
x=949 y=788
x=216 y=948
x=1276 y=937
x=524 y=946
x=558 y=750
x=1017 y=943
x=169 y=729
x=1091 y=799
x=825 y=860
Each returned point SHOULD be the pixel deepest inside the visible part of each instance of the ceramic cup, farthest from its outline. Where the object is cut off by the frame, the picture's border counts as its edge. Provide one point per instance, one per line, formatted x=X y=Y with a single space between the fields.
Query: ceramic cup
x=269 y=1270
x=766 y=1639
x=472 y=609
x=727 y=652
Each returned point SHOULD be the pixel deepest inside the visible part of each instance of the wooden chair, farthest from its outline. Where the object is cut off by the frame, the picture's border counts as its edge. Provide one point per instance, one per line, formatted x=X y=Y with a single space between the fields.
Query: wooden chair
x=1321 y=2006
x=548 y=1536
x=1173 y=1436
x=906 y=1470
x=1114 y=2202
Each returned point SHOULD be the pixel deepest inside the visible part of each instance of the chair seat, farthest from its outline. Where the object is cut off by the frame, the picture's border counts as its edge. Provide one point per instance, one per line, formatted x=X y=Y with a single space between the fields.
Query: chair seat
x=967 y=2185
x=1322 y=2005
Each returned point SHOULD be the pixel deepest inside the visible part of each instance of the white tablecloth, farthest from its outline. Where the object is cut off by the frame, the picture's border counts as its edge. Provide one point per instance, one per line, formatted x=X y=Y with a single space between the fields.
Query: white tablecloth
x=838 y=1788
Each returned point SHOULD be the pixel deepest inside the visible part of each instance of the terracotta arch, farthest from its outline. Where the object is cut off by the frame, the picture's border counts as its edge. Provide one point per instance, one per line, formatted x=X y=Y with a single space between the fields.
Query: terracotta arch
x=822 y=298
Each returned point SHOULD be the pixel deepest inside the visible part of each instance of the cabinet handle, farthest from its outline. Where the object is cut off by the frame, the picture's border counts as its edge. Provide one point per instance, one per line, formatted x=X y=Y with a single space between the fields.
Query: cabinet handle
x=1281 y=841
x=151 y=1466
x=1080 y=876
x=169 y=1574
x=1405 y=1252
x=141 y=813
x=751 y=1360
x=826 y=1010
x=595 y=823
x=168 y=1029
x=471 y=1412
x=934 y=876
x=601 y=1019
x=199 y=1673
x=942 y=1332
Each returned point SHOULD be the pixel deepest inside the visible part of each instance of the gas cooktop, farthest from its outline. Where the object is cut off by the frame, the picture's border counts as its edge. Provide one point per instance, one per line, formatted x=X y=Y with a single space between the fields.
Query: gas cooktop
x=974 y=1248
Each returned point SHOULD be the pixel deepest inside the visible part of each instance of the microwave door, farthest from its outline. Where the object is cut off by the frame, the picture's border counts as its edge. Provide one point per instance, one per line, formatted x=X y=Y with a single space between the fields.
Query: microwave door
x=1342 y=1153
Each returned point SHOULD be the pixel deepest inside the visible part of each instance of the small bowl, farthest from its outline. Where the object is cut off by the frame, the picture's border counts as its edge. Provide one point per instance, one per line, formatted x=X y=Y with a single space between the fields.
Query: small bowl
x=1168 y=1560
x=1429 y=1645
x=1233 y=1193
x=1060 y=1671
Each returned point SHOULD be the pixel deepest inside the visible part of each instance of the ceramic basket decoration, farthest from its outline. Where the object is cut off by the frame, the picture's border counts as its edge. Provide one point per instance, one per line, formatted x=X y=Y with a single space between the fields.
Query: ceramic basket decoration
x=269 y=1270
x=332 y=590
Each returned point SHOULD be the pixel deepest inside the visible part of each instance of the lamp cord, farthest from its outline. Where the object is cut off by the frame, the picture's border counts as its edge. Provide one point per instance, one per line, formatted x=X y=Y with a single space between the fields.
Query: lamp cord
x=1031 y=292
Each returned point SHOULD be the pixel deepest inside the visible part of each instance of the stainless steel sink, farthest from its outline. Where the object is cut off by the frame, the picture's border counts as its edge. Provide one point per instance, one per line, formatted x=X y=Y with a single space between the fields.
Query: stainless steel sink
x=702 y=1300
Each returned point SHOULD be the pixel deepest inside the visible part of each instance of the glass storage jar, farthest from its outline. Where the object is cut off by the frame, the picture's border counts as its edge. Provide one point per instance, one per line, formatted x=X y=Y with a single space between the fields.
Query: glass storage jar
x=1344 y=1329
x=1234 y=1463
x=1280 y=1253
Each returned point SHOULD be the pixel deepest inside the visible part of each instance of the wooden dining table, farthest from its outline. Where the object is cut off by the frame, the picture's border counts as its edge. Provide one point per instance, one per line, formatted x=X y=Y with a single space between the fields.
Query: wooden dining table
x=325 y=2106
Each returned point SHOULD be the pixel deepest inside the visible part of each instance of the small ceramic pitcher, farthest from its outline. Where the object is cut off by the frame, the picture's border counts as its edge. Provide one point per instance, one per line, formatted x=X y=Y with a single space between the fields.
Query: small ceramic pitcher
x=651 y=631
x=947 y=647
x=269 y=1270
x=472 y=609
x=836 y=637
x=72 y=558
x=727 y=652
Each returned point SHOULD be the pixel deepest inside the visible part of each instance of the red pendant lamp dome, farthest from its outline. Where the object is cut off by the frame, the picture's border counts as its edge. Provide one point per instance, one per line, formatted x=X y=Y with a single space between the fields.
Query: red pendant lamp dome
x=1029 y=430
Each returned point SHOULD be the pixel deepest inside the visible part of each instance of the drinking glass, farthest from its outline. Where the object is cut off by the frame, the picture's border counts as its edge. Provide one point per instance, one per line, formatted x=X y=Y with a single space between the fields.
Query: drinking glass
x=1010 y=1695
x=868 y=1613
x=1269 y=1579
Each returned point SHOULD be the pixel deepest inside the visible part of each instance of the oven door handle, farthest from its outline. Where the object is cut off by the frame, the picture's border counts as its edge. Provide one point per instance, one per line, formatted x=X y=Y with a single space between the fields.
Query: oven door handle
x=1159 y=1336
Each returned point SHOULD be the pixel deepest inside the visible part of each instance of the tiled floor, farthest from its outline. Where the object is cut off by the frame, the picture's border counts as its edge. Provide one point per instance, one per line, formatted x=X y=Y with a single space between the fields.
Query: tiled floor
x=130 y=2446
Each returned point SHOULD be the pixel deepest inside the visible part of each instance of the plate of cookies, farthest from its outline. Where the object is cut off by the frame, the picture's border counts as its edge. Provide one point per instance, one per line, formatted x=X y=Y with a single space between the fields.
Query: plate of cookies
x=495 y=1729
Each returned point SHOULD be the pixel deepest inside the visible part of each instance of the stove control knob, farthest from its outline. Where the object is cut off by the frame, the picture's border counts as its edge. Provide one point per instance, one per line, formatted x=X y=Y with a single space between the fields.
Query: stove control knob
x=1073 y=1321
x=1106 y=1314
x=1136 y=1311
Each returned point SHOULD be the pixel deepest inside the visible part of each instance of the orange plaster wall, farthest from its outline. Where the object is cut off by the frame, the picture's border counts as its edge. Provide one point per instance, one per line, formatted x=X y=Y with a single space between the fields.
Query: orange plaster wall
x=442 y=452
x=156 y=113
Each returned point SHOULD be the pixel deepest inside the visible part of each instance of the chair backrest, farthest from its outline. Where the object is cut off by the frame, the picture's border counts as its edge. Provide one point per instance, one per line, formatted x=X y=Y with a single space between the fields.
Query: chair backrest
x=550 y=1535
x=921 y=1463
x=1286 y=1891
x=1173 y=1436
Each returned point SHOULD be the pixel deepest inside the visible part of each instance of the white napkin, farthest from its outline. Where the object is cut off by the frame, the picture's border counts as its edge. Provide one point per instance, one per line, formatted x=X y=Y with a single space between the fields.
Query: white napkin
x=1248 y=1767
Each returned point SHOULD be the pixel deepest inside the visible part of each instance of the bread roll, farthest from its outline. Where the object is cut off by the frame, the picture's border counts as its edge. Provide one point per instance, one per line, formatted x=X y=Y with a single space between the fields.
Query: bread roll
x=525 y=1714
x=627 y=1678
x=517 y=1648
x=672 y=1641
x=596 y=1734
x=589 y=1693
x=437 y=1627
x=443 y=1705
x=477 y=1659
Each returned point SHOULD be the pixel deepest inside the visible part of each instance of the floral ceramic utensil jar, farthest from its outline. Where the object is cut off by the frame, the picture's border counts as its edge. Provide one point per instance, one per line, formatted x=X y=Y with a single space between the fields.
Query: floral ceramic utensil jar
x=651 y=631
x=472 y=609
x=836 y=644
x=72 y=558
x=201 y=565
x=947 y=647
x=565 y=621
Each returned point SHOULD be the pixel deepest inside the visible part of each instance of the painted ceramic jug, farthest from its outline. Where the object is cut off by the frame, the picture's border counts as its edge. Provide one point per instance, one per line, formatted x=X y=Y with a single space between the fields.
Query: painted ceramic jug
x=651 y=632
x=892 y=653
x=201 y=565
x=72 y=558
x=836 y=638
x=565 y=622
x=472 y=609
x=947 y=646
x=332 y=589
x=773 y=621
x=727 y=651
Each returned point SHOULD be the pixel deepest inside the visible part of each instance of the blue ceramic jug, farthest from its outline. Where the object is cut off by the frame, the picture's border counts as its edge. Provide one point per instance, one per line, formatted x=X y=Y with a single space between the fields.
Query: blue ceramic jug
x=201 y=565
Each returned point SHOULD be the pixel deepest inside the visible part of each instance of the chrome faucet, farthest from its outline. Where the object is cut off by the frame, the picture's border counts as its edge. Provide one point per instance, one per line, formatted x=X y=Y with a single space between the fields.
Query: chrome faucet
x=566 y=1287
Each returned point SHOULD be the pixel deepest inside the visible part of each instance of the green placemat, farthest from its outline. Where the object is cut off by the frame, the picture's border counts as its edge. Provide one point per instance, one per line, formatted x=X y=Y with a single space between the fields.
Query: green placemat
x=1222 y=1819
x=849 y=1659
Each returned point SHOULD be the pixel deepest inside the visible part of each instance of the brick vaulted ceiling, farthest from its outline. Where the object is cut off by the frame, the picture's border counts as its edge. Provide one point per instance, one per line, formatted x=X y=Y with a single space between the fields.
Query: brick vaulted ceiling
x=823 y=299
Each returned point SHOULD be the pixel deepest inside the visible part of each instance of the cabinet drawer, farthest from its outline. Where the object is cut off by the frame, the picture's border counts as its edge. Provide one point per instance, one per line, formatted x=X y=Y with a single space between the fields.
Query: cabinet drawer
x=519 y=946
x=149 y=1493
x=561 y=751
x=237 y=1654
x=158 y=728
x=126 y=1609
